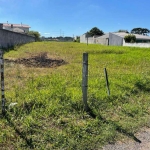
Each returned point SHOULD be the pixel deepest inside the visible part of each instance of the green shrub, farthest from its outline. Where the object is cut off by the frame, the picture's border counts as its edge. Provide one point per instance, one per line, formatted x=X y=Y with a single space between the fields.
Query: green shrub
x=77 y=40
x=130 y=38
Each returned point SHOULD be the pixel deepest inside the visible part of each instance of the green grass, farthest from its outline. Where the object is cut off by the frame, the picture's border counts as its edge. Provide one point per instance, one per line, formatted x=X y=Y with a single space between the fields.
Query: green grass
x=50 y=114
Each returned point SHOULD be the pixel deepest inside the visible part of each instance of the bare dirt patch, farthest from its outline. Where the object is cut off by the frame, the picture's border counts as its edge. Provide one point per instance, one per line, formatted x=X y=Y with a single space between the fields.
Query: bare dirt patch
x=38 y=61
x=144 y=144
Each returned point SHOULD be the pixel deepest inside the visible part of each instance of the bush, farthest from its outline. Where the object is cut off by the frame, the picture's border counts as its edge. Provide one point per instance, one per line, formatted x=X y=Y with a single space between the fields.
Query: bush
x=130 y=38
x=77 y=40
x=36 y=34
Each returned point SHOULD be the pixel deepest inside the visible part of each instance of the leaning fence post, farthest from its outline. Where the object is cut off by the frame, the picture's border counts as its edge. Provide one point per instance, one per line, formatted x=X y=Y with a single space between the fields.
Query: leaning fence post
x=85 y=80
x=107 y=82
x=2 y=82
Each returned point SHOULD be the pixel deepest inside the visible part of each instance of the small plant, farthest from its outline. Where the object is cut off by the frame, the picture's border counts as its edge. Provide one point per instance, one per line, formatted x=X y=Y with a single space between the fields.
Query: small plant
x=42 y=56
x=130 y=38
x=77 y=39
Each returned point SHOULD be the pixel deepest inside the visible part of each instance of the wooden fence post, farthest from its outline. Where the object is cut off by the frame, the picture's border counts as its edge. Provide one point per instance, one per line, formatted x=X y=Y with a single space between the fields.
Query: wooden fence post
x=107 y=82
x=2 y=82
x=85 y=80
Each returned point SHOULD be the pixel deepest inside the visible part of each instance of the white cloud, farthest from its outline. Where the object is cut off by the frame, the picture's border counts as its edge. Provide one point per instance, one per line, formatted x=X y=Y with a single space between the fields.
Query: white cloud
x=46 y=33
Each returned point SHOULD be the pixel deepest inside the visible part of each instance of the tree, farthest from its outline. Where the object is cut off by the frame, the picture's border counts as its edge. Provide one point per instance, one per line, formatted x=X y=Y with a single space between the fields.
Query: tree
x=95 y=31
x=125 y=31
x=142 y=31
x=36 y=34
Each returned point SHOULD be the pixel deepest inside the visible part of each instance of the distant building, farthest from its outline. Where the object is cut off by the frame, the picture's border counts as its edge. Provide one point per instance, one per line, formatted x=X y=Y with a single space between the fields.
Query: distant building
x=117 y=39
x=21 y=28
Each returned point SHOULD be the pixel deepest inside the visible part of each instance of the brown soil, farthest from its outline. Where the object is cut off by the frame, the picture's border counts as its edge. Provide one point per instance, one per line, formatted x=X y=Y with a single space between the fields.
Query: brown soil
x=38 y=61
x=144 y=144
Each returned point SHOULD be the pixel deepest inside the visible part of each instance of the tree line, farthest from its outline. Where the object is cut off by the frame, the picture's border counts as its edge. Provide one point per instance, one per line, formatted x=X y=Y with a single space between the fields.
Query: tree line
x=97 y=31
x=141 y=31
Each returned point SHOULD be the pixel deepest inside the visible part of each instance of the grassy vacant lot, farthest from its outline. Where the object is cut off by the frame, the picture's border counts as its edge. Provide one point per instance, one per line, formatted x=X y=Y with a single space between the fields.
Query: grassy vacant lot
x=49 y=113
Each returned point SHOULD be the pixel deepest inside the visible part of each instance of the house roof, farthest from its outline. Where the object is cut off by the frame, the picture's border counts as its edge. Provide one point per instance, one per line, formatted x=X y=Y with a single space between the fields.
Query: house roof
x=138 y=36
x=15 y=25
x=105 y=36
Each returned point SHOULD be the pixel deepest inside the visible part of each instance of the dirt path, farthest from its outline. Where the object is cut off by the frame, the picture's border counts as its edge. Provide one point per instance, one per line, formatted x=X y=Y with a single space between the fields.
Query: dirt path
x=143 y=136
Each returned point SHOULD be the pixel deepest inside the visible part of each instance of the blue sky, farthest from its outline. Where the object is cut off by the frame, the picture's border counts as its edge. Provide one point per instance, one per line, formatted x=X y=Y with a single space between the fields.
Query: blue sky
x=75 y=17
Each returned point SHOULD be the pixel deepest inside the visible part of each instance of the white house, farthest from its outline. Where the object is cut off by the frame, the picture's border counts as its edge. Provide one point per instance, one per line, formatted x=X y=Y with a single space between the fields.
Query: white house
x=22 y=28
x=116 y=38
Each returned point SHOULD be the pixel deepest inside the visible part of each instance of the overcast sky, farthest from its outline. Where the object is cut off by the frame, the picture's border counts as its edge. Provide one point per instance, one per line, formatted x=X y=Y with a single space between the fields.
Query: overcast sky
x=75 y=17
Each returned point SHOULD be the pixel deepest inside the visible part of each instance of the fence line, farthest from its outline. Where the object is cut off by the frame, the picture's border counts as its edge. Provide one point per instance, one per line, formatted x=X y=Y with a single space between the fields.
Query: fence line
x=85 y=80
x=2 y=82
x=107 y=82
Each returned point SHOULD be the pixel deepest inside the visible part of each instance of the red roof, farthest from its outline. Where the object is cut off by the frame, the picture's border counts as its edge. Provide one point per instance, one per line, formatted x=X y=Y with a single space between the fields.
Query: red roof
x=15 y=25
